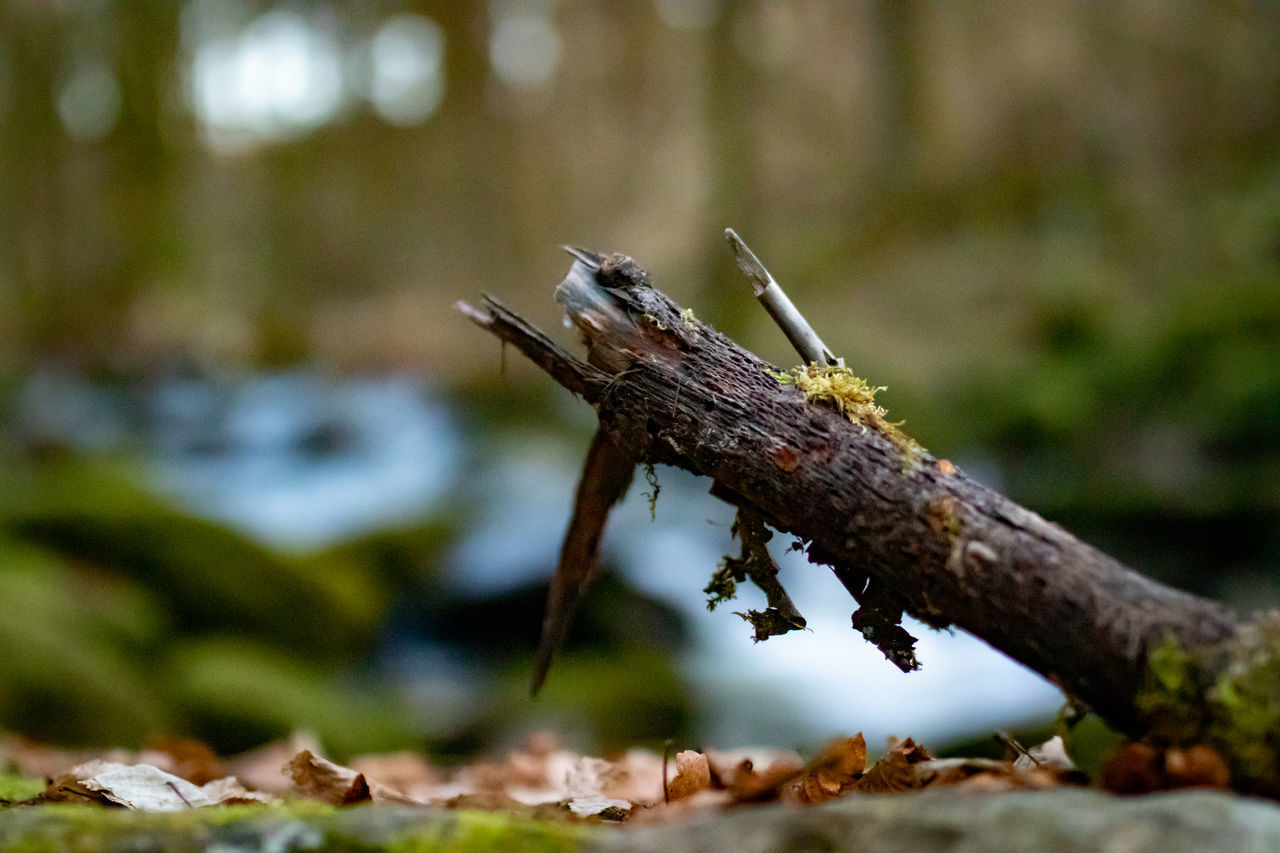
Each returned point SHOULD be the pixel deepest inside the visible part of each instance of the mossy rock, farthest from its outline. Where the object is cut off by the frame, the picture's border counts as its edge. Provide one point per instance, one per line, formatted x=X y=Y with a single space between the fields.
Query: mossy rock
x=208 y=577
x=237 y=693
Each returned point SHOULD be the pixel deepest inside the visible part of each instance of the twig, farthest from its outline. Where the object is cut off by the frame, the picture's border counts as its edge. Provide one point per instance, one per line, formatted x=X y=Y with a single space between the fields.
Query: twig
x=179 y=793
x=666 y=786
x=605 y=476
x=779 y=306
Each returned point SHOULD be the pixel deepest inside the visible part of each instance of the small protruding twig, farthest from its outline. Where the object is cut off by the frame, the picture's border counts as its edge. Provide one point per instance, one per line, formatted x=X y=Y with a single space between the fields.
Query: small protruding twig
x=174 y=787
x=779 y=306
x=605 y=476
x=1011 y=742
x=666 y=786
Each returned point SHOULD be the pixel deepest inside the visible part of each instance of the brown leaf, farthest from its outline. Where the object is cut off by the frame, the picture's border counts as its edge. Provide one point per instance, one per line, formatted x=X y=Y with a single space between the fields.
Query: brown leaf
x=408 y=772
x=693 y=774
x=1138 y=768
x=264 y=768
x=912 y=751
x=746 y=785
x=321 y=779
x=191 y=759
x=956 y=771
x=834 y=771
x=894 y=771
x=1197 y=766
x=357 y=793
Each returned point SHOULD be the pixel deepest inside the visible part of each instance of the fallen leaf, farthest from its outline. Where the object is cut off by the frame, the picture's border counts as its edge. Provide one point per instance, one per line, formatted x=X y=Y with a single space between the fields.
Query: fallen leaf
x=693 y=774
x=191 y=759
x=1138 y=768
x=321 y=779
x=408 y=772
x=142 y=787
x=747 y=785
x=585 y=785
x=265 y=768
x=1052 y=754
x=894 y=771
x=636 y=776
x=833 y=772
x=1198 y=766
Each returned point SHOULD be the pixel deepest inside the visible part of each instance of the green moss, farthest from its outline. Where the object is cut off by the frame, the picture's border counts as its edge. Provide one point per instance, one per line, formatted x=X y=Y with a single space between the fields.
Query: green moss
x=15 y=788
x=853 y=397
x=1226 y=695
x=1170 y=699
x=723 y=585
x=242 y=692
x=296 y=825
x=476 y=830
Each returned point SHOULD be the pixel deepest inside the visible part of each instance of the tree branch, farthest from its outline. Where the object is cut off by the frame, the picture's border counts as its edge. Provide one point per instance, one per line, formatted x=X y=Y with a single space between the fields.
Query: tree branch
x=901 y=528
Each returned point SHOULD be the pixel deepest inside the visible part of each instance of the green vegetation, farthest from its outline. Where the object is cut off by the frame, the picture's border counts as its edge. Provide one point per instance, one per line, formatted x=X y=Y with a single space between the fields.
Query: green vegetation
x=300 y=824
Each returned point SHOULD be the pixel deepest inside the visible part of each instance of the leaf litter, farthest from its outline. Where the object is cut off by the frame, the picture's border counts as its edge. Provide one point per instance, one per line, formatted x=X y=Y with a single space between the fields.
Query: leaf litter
x=543 y=780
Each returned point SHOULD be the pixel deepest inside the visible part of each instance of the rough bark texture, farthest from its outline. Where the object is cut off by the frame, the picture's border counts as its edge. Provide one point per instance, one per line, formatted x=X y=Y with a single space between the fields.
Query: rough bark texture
x=901 y=527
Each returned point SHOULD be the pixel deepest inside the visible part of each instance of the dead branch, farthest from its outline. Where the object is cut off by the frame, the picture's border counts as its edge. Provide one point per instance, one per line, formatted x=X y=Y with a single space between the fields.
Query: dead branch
x=904 y=531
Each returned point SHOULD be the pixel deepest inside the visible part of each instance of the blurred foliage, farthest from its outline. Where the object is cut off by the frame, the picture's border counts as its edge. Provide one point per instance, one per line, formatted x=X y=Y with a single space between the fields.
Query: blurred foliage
x=124 y=618
x=1053 y=230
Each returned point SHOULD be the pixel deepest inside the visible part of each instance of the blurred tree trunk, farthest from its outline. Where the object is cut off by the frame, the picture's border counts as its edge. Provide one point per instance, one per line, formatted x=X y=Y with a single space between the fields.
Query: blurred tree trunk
x=88 y=223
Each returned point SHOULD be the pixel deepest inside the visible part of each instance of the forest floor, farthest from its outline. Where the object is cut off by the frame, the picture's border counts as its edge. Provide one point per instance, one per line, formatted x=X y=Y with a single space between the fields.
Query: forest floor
x=179 y=795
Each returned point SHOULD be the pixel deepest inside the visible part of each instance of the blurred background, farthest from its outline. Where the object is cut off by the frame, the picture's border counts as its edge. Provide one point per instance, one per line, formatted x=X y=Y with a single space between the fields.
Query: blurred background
x=257 y=475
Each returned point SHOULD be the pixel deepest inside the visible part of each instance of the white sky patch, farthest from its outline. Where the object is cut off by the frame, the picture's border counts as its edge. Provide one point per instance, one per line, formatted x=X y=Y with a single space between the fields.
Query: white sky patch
x=807 y=685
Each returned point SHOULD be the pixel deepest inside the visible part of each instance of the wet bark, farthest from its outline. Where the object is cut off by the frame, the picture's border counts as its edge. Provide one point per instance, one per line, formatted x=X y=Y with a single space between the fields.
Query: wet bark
x=900 y=528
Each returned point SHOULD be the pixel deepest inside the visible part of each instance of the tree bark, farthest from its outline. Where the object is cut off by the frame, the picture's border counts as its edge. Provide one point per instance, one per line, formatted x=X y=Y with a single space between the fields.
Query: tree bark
x=904 y=530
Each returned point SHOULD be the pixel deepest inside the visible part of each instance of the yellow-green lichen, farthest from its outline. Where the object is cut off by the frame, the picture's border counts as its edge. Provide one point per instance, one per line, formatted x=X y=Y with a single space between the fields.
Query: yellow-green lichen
x=689 y=320
x=853 y=397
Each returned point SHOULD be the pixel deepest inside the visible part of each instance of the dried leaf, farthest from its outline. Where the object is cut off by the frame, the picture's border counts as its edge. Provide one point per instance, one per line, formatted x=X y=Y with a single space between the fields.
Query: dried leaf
x=1051 y=755
x=321 y=779
x=637 y=777
x=408 y=772
x=834 y=771
x=746 y=785
x=894 y=772
x=693 y=774
x=1198 y=766
x=140 y=786
x=191 y=759
x=585 y=784
x=265 y=768
x=1138 y=768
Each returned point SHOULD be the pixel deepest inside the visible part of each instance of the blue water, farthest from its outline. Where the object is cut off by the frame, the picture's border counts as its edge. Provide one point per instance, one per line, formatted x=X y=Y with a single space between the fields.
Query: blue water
x=301 y=461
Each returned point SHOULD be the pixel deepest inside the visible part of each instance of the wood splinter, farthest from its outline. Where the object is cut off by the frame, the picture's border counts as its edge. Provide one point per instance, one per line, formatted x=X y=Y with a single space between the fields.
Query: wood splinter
x=780 y=306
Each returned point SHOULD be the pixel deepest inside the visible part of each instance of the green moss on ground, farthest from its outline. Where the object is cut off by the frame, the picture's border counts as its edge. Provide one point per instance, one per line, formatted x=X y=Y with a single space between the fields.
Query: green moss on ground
x=298 y=825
